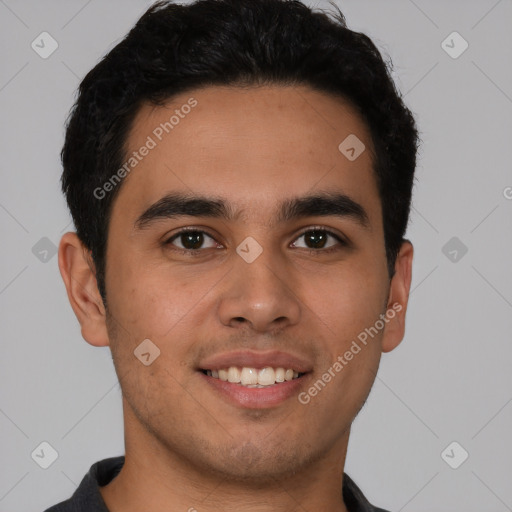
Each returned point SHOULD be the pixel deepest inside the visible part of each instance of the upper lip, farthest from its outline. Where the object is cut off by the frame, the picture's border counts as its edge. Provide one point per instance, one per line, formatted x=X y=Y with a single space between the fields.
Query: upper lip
x=256 y=359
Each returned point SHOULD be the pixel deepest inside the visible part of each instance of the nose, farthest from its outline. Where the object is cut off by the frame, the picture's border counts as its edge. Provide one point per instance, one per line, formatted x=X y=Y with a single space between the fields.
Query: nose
x=259 y=295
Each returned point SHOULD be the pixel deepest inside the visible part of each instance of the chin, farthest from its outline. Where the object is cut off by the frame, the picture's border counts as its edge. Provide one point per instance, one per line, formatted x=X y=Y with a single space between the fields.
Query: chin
x=256 y=465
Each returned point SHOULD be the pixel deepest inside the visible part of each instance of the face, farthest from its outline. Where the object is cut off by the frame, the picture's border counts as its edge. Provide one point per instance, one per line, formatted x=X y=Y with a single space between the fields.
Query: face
x=245 y=238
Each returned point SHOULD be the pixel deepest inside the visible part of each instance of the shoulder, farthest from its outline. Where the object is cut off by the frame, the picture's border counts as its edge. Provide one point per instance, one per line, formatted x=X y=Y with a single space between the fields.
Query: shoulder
x=354 y=498
x=87 y=496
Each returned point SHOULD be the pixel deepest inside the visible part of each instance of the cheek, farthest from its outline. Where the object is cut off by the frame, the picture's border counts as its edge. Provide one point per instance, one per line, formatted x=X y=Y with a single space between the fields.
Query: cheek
x=156 y=301
x=352 y=305
x=346 y=300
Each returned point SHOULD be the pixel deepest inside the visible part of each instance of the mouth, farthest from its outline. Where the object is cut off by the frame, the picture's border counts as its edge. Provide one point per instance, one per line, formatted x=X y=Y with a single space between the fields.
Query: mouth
x=250 y=377
x=255 y=388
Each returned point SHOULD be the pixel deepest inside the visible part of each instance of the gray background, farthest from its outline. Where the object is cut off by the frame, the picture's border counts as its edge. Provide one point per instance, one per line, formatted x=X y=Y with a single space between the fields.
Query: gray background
x=449 y=380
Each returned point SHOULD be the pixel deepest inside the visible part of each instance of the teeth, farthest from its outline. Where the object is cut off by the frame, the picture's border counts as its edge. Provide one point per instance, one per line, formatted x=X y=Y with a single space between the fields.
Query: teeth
x=249 y=376
x=234 y=374
x=266 y=376
x=252 y=377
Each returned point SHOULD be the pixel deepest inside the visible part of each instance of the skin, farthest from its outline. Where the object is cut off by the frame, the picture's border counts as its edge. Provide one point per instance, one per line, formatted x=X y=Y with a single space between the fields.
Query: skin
x=187 y=447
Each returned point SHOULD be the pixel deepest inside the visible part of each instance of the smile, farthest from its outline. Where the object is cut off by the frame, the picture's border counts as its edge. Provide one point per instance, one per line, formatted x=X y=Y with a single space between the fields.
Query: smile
x=253 y=377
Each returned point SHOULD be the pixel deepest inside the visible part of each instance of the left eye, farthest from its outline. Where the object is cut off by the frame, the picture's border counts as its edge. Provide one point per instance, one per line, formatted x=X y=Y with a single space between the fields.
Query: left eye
x=318 y=239
x=192 y=240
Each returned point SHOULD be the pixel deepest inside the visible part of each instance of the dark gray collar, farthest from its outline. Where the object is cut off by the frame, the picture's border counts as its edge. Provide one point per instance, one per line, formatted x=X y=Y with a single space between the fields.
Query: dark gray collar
x=87 y=497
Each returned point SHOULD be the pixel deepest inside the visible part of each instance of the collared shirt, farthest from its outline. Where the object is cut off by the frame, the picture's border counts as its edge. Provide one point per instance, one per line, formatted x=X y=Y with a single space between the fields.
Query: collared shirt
x=87 y=497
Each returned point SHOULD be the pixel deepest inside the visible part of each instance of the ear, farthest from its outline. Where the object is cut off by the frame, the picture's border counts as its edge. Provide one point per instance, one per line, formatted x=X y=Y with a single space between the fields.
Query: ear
x=79 y=276
x=398 y=298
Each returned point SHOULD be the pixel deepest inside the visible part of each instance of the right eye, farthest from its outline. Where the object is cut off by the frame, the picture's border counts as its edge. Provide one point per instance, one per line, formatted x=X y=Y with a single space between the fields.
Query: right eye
x=191 y=241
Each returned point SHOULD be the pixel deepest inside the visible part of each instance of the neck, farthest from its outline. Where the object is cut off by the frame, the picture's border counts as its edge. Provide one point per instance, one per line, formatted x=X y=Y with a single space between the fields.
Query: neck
x=155 y=479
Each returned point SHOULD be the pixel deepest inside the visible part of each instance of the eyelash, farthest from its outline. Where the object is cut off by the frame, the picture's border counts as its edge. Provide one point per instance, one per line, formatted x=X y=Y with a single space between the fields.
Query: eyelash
x=197 y=252
x=326 y=231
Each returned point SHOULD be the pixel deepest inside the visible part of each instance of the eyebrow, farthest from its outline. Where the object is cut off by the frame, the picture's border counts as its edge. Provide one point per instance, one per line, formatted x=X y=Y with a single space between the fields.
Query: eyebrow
x=317 y=205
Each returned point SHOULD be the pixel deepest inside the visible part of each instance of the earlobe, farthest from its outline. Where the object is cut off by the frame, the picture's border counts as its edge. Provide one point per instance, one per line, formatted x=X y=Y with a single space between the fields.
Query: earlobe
x=77 y=271
x=398 y=298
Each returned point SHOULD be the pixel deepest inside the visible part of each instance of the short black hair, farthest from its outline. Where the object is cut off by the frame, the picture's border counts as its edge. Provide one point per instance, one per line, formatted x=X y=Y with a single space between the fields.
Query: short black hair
x=175 y=48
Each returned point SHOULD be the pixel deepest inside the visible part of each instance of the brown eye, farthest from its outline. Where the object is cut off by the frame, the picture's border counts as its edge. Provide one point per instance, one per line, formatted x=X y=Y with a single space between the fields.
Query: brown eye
x=318 y=239
x=191 y=240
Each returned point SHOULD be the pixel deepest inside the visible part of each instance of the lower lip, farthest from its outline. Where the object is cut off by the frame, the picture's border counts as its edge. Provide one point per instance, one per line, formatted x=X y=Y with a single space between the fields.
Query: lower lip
x=255 y=398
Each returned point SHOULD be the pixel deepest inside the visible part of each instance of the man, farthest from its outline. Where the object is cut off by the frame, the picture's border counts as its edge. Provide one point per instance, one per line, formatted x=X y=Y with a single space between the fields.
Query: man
x=239 y=174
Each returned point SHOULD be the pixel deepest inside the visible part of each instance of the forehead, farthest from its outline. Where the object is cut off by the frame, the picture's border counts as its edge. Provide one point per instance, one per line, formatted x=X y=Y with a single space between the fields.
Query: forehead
x=254 y=145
